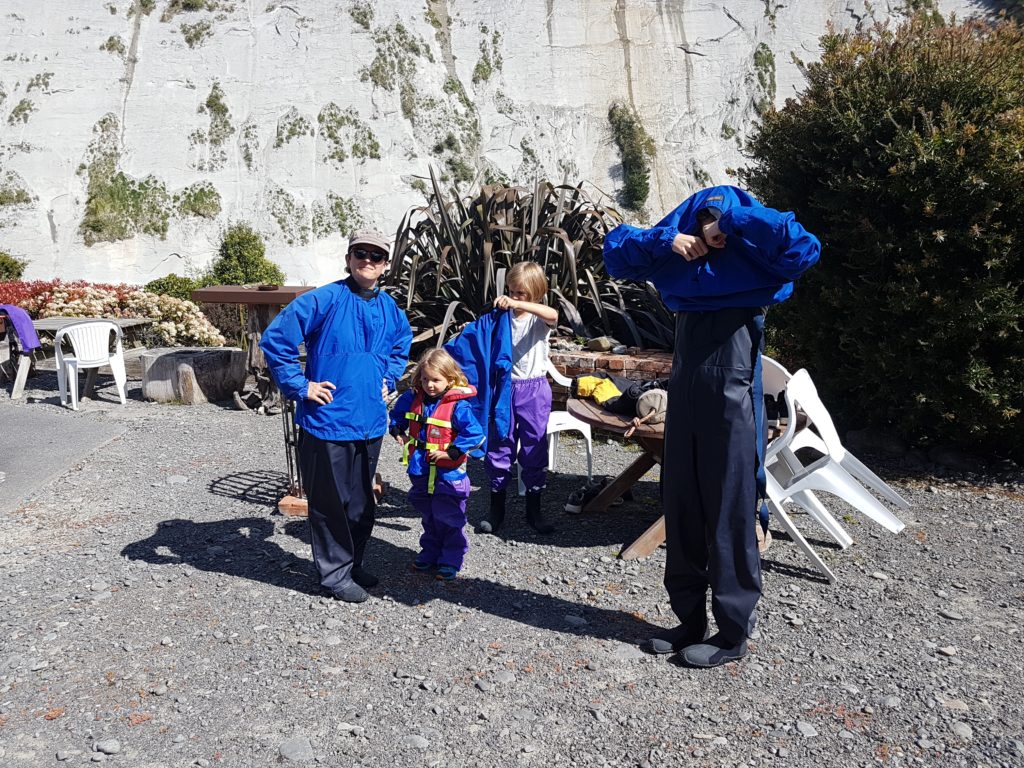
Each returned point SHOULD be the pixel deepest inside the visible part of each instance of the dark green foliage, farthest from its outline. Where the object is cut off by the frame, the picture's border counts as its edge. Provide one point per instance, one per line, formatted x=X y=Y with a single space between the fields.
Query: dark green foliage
x=448 y=253
x=179 y=286
x=10 y=267
x=635 y=148
x=904 y=155
x=242 y=260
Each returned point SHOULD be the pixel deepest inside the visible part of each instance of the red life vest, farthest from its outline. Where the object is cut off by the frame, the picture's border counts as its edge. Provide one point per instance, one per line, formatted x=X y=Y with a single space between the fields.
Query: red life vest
x=439 y=432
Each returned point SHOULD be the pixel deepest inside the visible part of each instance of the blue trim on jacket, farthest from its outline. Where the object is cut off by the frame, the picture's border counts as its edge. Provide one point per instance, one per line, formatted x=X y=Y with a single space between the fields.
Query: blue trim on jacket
x=356 y=344
x=469 y=434
x=765 y=251
x=484 y=352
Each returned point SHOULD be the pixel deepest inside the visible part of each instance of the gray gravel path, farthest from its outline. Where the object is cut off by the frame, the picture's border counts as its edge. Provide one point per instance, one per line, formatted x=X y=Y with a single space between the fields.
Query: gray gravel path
x=156 y=611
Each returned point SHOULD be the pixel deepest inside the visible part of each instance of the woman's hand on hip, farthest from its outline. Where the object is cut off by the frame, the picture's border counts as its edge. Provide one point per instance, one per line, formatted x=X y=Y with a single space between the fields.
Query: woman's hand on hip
x=320 y=392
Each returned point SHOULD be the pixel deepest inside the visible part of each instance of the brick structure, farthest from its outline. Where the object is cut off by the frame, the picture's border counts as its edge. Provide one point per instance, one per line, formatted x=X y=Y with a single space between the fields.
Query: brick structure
x=638 y=364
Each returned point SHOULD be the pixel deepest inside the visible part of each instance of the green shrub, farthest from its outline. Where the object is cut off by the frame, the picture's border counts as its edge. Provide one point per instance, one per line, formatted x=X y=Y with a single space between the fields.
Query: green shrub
x=635 y=147
x=179 y=286
x=903 y=155
x=10 y=267
x=242 y=260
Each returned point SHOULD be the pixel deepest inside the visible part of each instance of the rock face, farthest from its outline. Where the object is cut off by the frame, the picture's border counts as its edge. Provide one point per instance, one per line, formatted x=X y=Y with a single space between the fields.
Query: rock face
x=192 y=375
x=129 y=139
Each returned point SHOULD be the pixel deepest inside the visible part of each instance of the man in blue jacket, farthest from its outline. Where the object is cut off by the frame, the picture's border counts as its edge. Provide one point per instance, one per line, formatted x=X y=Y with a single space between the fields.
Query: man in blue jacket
x=719 y=260
x=357 y=345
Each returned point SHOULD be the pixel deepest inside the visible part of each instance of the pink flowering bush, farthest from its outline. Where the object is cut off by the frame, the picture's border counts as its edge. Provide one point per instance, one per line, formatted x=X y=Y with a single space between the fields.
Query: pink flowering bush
x=176 y=322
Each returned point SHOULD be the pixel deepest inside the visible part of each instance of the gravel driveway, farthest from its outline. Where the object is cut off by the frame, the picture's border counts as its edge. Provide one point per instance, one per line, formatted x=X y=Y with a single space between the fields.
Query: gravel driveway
x=155 y=610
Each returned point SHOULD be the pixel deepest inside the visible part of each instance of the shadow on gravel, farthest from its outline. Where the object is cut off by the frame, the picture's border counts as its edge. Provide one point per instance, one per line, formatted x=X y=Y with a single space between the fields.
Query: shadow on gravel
x=398 y=580
x=615 y=528
x=262 y=486
x=236 y=547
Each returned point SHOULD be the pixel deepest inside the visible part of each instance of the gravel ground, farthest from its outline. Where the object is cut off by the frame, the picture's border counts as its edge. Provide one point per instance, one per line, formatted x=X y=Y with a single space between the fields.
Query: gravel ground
x=155 y=610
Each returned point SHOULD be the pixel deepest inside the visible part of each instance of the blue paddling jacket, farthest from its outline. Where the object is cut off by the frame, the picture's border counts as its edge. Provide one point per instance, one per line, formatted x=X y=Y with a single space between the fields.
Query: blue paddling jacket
x=355 y=339
x=765 y=251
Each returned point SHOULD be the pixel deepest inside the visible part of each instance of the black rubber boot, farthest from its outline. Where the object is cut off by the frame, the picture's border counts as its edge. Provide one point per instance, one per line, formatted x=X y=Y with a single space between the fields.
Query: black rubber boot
x=496 y=516
x=534 y=514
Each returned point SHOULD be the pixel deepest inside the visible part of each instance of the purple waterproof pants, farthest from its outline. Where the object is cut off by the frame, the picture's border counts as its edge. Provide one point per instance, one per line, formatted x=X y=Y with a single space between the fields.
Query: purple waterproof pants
x=443 y=513
x=531 y=406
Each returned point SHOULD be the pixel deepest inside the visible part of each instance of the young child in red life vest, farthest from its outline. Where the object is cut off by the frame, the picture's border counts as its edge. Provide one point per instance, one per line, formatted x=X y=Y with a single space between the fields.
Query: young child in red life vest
x=435 y=423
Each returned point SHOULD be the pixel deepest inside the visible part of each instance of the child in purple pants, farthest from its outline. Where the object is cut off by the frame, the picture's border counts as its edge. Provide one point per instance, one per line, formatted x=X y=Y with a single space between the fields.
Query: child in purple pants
x=435 y=423
x=531 y=399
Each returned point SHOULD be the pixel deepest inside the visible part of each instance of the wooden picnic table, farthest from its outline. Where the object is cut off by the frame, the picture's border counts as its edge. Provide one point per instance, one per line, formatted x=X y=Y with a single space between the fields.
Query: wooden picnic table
x=265 y=302
x=651 y=439
x=49 y=327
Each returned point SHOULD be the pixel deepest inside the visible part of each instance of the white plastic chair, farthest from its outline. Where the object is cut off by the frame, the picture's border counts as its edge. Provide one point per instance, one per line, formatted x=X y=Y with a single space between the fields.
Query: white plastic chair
x=90 y=341
x=781 y=460
x=561 y=421
x=838 y=471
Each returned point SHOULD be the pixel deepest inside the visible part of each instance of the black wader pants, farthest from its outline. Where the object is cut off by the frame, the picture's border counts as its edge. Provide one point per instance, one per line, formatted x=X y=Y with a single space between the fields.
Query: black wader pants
x=338 y=480
x=710 y=469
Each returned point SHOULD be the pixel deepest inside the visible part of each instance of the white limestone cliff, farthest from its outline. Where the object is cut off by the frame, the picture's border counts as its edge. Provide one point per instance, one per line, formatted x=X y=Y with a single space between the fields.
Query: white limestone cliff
x=303 y=117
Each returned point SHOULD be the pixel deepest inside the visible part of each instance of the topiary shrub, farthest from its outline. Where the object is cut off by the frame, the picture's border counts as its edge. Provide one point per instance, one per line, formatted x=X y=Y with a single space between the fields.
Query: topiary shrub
x=242 y=260
x=903 y=155
x=10 y=267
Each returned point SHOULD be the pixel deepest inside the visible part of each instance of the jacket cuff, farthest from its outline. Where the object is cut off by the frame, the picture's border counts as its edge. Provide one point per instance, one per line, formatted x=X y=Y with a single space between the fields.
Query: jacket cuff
x=454 y=453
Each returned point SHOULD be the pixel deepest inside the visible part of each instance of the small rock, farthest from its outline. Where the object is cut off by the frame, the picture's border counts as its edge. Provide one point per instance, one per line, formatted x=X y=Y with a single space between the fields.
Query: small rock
x=504 y=676
x=39 y=665
x=891 y=702
x=847 y=735
x=297 y=750
x=65 y=754
x=483 y=685
x=575 y=621
x=806 y=729
x=108 y=746
x=880 y=576
x=946 y=650
x=602 y=344
x=352 y=730
x=951 y=615
x=165 y=640
x=178 y=738
x=962 y=730
x=177 y=480
x=415 y=741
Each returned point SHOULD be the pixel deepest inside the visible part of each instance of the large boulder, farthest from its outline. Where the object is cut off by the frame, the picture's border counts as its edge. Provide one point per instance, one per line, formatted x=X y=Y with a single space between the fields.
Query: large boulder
x=192 y=374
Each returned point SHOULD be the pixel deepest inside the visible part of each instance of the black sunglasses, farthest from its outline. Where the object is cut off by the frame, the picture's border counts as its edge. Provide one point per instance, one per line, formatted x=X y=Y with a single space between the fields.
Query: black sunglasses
x=375 y=256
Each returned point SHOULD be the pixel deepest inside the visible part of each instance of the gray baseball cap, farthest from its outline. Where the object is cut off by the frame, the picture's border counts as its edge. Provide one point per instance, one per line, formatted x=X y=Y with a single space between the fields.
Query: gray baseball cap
x=369 y=237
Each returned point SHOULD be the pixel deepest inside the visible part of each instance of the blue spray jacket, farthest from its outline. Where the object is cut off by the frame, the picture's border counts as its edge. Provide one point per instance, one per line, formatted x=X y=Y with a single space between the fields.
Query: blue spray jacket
x=484 y=352
x=765 y=251
x=469 y=435
x=355 y=343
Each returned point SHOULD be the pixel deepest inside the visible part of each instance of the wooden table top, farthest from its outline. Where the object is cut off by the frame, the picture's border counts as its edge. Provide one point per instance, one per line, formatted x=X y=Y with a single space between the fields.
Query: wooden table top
x=249 y=294
x=593 y=414
x=54 y=324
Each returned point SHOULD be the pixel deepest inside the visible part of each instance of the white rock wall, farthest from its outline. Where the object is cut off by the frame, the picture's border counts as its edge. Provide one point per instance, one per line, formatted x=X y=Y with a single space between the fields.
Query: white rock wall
x=687 y=66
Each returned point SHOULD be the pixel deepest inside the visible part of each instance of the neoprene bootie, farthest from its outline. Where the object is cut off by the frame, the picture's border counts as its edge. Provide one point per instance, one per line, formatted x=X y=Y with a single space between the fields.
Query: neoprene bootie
x=496 y=515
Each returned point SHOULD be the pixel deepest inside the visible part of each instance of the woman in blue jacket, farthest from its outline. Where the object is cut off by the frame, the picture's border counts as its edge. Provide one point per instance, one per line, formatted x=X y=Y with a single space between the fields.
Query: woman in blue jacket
x=357 y=345
x=719 y=260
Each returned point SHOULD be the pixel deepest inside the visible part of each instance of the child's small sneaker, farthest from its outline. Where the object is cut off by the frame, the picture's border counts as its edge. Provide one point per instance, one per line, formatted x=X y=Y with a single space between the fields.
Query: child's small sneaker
x=421 y=566
x=446 y=572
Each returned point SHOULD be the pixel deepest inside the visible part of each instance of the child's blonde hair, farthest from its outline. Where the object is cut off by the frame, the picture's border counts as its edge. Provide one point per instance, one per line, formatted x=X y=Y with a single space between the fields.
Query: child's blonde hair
x=530 y=277
x=440 y=361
